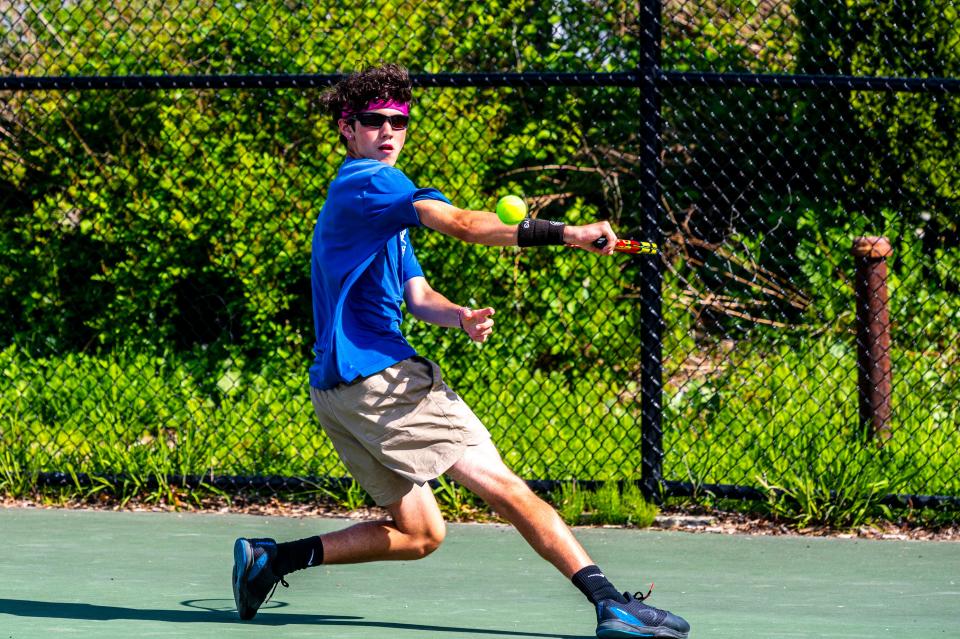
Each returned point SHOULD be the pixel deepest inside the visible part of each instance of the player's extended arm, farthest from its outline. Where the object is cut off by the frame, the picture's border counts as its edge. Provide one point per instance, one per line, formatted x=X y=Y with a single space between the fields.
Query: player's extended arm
x=428 y=305
x=482 y=227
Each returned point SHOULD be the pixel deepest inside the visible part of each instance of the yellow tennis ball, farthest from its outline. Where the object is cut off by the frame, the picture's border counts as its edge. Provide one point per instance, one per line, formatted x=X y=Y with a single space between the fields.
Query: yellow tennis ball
x=511 y=209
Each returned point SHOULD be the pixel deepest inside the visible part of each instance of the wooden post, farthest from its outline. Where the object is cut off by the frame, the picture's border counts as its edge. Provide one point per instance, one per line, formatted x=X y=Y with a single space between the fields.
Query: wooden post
x=875 y=379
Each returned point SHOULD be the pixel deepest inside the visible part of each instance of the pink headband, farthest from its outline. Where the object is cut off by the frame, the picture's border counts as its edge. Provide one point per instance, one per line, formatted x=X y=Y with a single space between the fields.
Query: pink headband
x=402 y=107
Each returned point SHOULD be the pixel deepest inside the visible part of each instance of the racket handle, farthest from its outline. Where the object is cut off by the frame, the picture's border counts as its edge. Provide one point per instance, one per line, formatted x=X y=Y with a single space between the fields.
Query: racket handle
x=628 y=246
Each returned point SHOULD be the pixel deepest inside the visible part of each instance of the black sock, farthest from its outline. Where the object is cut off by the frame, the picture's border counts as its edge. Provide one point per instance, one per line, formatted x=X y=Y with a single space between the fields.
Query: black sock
x=594 y=585
x=297 y=555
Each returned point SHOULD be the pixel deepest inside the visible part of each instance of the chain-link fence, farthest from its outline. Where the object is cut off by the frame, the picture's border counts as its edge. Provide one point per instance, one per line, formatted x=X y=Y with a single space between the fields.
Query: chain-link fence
x=163 y=164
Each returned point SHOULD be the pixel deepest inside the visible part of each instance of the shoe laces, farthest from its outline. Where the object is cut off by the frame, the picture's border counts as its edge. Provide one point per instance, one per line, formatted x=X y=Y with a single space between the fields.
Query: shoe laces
x=282 y=582
x=280 y=579
x=638 y=596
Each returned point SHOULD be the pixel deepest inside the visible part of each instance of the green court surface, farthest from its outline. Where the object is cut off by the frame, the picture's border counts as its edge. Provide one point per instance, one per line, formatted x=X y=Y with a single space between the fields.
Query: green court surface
x=104 y=574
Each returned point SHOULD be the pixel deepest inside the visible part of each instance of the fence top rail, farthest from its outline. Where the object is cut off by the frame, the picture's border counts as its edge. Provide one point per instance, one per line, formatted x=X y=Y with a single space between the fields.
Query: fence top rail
x=809 y=81
x=520 y=79
x=307 y=80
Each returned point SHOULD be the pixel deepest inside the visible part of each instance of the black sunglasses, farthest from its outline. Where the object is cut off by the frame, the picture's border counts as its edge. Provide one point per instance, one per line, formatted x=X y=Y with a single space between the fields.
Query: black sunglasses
x=376 y=120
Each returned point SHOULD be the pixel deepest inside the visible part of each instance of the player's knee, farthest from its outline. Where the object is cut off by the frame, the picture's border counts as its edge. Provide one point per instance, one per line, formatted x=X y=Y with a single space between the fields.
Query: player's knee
x=430 y=538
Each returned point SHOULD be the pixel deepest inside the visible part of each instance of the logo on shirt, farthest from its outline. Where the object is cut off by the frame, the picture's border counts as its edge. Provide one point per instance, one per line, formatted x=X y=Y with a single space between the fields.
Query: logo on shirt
x=403 y=242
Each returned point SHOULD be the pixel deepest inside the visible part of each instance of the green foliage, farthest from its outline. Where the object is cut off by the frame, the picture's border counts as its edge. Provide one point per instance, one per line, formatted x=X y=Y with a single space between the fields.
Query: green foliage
x=789 y=425
x=571 y=502
x=894 y=150
x=609 y=504
x=350 y=496
x=922 y=287
x=181 y=220
x=729 y=35
x=154 y=245
x=762 y=168
x=19 y=469
x=457 y=503
x=786 y=417
x=841 y=490
x=190 y=36
x=149 y=417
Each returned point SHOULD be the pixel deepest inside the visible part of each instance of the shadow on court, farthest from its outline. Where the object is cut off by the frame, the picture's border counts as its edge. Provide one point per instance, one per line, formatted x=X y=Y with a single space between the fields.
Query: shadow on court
x=94 y=612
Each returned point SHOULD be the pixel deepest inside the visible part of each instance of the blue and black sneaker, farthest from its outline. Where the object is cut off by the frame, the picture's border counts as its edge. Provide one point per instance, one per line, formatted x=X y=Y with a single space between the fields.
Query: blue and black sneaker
x=636 y=619
x=253 y=577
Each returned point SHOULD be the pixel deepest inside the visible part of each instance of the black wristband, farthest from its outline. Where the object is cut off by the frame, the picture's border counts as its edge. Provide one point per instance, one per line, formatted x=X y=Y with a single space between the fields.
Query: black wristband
x=533 y=232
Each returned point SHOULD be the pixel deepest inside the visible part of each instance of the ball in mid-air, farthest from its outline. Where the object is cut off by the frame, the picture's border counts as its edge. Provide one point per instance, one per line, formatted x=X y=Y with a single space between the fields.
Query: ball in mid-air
x=511 y=209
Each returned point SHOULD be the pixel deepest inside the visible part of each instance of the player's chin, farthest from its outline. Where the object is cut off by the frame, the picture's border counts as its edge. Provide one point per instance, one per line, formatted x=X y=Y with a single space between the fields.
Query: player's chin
x=389 y=156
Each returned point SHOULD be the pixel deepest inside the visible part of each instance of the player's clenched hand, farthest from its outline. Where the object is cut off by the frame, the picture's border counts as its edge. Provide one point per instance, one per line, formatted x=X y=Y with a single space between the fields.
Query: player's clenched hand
x=478 y=323
x=585 y=236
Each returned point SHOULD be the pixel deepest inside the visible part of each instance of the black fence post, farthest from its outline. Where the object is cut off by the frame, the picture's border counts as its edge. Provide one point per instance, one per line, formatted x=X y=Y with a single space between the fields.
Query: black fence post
x=651 y=319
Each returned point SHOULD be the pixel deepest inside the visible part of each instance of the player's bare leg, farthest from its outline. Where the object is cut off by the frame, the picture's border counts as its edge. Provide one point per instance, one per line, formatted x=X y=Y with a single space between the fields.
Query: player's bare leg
x=415 y=529
x=482 y=471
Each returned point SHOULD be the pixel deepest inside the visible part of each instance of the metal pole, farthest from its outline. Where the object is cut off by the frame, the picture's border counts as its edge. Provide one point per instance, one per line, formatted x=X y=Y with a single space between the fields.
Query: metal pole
x=651 y=317
x=874 y=375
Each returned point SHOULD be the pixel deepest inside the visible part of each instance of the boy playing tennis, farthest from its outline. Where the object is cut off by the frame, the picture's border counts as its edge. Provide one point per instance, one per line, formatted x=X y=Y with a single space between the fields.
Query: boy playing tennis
x=393 y=421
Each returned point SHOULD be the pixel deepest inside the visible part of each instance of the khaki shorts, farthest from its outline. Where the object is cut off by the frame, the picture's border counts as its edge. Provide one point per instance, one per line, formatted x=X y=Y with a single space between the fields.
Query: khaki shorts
x=396 y=428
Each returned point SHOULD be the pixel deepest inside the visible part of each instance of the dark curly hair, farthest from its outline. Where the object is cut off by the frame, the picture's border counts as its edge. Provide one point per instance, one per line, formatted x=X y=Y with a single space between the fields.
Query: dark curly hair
x=386 y=82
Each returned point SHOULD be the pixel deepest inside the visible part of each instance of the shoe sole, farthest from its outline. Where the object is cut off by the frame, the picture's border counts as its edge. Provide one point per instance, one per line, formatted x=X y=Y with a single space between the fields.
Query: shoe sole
x=615 y=629
x=242 y=561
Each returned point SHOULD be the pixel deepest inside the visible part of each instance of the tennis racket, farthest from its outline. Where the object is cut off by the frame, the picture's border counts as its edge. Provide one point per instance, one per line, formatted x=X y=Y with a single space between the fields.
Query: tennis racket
x=629 y=246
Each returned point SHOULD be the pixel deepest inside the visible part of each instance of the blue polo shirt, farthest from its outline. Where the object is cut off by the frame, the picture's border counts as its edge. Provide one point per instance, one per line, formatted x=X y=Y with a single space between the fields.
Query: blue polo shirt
x=361 y=258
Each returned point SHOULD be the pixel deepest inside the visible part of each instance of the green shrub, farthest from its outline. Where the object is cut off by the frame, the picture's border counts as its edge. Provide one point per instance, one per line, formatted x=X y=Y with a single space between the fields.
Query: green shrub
x=608 y=504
